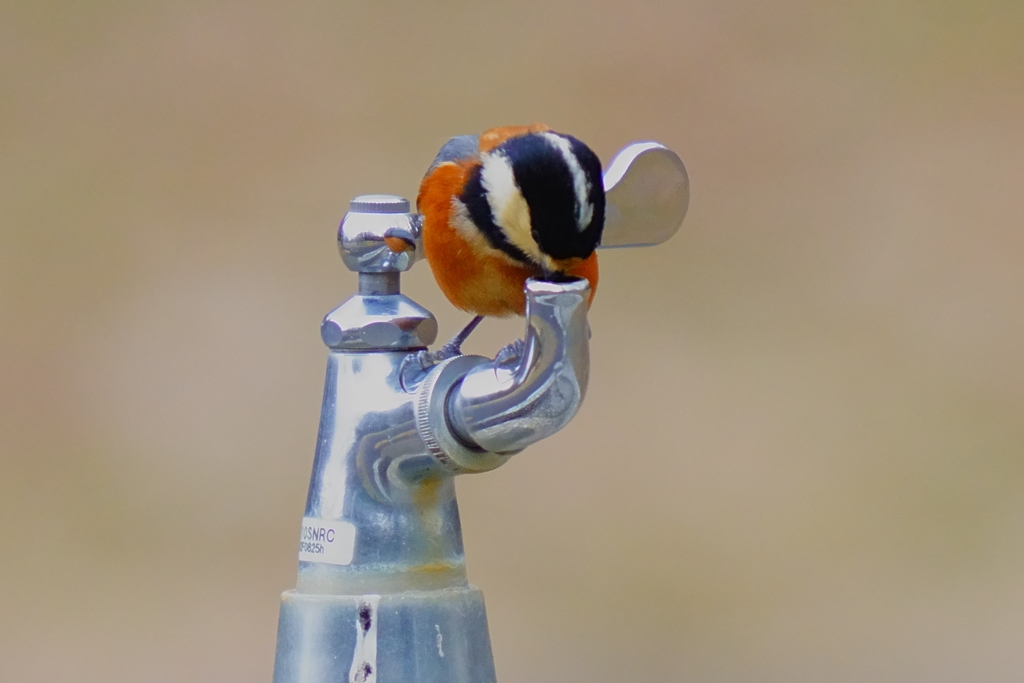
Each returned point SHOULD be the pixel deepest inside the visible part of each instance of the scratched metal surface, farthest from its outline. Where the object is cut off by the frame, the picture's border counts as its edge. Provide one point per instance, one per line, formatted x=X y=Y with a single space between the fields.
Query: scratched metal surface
x=800 y=454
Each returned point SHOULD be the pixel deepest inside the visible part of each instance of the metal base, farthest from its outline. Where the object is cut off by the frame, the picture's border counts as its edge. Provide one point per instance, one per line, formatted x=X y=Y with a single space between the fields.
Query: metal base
x=413 y=637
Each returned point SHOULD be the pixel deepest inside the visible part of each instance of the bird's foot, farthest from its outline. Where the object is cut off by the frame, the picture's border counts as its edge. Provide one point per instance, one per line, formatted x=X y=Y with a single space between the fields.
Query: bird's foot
x=511 y=354
x=420 y=362
x=415 y=365
x=429 y=359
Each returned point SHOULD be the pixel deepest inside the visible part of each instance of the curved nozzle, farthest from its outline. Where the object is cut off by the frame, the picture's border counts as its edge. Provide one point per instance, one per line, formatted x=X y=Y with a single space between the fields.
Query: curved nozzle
x=475 y=412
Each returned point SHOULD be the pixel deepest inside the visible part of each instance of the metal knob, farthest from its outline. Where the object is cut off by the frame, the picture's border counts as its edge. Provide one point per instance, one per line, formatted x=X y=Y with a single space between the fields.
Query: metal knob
x=379 y=235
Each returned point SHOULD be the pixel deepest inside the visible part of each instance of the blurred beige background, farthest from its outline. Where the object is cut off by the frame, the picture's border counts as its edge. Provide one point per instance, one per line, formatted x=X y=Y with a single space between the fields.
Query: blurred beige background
x=802 y=454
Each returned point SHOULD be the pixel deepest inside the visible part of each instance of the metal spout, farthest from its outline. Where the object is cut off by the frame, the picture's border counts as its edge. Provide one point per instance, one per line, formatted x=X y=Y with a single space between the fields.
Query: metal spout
x=475 y=412
x=504 y=410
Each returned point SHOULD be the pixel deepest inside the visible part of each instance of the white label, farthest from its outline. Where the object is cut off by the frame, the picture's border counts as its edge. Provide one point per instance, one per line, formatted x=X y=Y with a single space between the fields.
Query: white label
x=324 y=541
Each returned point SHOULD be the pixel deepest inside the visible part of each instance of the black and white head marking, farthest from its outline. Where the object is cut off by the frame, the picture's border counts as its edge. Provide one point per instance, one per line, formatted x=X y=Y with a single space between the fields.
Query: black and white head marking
x=580 y=182
x=538 y=198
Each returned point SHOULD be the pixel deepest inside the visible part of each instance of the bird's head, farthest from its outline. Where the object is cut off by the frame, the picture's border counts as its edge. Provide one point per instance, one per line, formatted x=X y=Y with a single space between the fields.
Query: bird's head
x=539 y=198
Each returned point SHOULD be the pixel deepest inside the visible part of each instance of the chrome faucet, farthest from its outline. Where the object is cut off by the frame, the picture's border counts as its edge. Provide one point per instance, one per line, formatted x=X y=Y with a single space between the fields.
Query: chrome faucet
x=382 y=594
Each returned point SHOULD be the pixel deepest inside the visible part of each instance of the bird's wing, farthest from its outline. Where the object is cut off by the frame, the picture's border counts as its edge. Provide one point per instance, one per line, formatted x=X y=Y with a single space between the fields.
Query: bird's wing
x=459 y=148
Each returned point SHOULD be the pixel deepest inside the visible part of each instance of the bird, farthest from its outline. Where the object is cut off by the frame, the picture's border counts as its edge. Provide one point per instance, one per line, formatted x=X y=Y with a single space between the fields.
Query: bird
x=512 y=203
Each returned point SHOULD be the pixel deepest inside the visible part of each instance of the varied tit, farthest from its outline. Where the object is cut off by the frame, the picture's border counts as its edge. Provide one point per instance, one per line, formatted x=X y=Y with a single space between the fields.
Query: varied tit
x=514 y=203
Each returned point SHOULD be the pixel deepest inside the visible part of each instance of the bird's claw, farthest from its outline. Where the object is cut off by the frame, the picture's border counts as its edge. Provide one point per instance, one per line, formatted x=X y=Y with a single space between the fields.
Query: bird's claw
x=449 y=350
x=415 y=365
x=511 y=353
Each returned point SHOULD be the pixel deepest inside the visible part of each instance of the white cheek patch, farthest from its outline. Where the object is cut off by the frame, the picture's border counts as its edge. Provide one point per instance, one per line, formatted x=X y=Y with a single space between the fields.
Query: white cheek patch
x=508 y=206
x=463 y=224
x=580 y=184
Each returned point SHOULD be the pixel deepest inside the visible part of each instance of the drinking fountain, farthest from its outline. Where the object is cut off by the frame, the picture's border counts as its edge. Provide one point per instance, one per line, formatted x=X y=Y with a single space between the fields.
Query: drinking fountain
x=382 y=594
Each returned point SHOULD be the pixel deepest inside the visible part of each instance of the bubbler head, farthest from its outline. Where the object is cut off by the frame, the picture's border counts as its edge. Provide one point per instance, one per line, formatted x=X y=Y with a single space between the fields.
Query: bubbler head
x=380 y=235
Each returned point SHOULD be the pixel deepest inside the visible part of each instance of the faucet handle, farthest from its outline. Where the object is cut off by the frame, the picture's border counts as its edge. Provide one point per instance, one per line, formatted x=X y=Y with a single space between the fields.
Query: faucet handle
x=647 y=192
x=380 y=235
